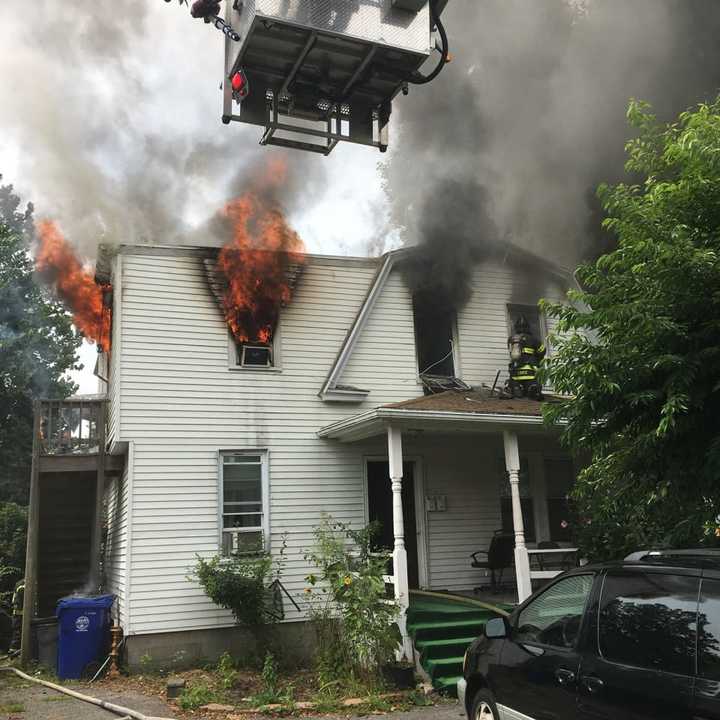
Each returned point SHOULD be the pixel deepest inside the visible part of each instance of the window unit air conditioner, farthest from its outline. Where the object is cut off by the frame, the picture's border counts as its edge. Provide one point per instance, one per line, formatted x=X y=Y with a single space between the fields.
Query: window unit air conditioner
x=255 y=356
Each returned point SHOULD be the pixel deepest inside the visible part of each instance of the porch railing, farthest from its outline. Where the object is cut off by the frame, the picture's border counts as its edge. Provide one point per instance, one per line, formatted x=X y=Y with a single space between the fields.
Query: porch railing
x=71 y=426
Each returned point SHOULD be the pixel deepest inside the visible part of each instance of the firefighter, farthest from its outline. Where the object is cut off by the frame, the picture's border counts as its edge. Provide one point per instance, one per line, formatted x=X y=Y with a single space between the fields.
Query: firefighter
x=18 y=597
x=526 y=354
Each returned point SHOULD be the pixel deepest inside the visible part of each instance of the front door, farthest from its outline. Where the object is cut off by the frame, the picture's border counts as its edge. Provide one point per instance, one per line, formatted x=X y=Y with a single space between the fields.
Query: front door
x=380 y=508
x=538 y=669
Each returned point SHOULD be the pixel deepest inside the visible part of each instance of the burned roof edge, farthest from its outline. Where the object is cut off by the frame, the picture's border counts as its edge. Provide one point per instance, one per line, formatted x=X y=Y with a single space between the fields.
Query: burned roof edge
x=203 y=252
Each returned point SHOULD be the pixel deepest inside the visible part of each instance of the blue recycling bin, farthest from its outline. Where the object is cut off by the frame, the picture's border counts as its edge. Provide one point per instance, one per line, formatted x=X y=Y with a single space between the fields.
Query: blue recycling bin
x=83 y=632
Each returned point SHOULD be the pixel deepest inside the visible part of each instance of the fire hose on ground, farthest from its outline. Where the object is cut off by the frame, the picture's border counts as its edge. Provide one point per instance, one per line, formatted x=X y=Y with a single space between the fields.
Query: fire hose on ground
x=104 y=704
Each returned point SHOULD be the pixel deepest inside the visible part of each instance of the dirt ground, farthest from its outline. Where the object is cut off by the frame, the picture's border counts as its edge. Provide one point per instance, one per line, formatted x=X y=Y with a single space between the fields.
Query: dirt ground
x=21 y=700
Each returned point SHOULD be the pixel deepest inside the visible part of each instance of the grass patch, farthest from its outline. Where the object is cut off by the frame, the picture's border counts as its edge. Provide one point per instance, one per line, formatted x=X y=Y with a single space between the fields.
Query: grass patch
x=13 y=708
x=56 y=698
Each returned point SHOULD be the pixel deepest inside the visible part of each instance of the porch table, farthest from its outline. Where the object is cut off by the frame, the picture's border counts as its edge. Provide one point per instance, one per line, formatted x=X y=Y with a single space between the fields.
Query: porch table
x=540 y=553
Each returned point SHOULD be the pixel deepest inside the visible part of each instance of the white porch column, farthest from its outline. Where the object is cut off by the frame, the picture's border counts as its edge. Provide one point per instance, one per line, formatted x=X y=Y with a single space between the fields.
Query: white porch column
x=400 y=569
x=522 y=560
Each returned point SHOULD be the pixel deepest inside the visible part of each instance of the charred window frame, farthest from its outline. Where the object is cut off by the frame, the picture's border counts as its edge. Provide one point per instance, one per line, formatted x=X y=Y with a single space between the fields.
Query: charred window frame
x=435 y=338
x=255 y=355
x=244 y=510
x=535 y=318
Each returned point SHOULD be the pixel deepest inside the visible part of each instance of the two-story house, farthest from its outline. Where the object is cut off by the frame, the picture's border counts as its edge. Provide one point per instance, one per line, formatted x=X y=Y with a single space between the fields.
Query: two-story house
x=226 y=443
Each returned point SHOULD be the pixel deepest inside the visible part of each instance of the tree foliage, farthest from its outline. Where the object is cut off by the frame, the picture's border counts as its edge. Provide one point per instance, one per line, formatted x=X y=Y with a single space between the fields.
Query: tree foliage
x=37 y=345
x=639 y=351
x=13 y=524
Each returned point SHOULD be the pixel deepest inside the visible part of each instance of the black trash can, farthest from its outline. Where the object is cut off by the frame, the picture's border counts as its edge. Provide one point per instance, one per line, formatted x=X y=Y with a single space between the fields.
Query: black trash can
x=45 y=631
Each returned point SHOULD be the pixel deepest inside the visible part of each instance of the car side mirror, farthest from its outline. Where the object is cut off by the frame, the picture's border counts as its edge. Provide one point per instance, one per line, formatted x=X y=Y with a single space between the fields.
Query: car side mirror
x=496 y=628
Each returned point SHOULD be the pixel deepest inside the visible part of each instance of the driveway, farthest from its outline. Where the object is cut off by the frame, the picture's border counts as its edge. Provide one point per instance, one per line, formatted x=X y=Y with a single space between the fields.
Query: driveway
x=21 y=700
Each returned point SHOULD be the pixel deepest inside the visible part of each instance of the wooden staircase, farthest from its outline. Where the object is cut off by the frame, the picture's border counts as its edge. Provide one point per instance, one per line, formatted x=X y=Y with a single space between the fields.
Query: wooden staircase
x=442 y=627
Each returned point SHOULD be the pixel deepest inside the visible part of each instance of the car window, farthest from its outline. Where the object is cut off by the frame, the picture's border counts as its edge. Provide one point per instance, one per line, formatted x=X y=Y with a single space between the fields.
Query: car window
x=554 y=617
x=649 y=620
x=709 y=629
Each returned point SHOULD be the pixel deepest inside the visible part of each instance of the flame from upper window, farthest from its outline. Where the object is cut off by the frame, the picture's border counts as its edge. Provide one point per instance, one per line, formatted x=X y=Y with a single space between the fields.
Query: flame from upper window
x=74 y=283
x=255 y=262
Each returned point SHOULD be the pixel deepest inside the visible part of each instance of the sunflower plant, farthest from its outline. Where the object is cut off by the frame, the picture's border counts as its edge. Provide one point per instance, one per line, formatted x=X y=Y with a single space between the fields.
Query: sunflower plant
x=349 y=588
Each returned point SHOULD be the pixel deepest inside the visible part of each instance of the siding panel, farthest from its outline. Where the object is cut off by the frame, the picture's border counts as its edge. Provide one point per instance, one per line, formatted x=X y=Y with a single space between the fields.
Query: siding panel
x=181 y=405
x=116 y=543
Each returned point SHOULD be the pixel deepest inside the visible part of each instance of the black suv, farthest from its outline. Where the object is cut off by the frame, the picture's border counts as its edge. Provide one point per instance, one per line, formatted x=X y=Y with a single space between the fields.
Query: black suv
x=632 y=640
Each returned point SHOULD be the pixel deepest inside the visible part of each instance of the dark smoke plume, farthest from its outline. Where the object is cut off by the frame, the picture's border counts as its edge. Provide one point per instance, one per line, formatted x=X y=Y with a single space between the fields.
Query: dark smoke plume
x=111 y=113
x=530 y=118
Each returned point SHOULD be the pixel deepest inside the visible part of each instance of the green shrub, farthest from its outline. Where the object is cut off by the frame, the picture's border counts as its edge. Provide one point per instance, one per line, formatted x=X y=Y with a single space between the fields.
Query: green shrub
x=272 y=692
x=196 y=696
x=227 y=671
x=239 y=584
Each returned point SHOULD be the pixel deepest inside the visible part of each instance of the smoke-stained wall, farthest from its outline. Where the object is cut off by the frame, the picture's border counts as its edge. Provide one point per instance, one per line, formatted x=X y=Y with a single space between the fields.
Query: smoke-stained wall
x=532 y=112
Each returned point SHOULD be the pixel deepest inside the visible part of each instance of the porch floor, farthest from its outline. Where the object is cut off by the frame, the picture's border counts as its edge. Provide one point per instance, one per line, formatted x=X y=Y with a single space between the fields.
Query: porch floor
x=442 y=626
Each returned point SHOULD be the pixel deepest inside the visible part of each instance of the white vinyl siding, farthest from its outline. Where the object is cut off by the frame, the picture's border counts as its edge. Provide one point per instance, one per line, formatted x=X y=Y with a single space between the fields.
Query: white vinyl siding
x=384 y=360
x=116 y=542
x=115 y=356
x=182 y=406
x=483 y=323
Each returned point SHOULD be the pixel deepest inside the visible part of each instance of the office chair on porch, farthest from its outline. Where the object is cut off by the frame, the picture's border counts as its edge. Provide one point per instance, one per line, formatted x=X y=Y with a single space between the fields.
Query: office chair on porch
x=499 y=556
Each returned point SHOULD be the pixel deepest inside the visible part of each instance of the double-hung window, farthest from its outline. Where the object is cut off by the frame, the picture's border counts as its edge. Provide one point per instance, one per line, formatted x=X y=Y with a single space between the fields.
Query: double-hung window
x=244 y=502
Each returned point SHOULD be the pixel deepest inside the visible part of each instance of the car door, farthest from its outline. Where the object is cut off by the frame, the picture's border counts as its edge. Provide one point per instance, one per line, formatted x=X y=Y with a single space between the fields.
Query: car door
x=706 y=704
x=642 y=662
x=536 y=675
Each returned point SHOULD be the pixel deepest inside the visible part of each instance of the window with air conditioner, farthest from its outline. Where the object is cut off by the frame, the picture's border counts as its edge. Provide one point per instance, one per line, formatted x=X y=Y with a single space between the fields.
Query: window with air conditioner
x=244 y=498
x=255 y=355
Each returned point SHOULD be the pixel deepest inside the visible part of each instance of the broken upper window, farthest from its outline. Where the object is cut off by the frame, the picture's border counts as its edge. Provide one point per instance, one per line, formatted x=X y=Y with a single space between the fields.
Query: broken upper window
x=532 y=315
x=434 y=338
x=255 y=355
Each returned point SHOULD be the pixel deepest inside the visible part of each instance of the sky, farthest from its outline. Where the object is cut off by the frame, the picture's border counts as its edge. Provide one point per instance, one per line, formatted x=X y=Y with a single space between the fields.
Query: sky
x=110 y=124
x=110 y=117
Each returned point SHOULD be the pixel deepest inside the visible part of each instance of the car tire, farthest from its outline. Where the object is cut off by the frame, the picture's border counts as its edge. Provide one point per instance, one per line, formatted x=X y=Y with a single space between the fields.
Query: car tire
x=484 y=707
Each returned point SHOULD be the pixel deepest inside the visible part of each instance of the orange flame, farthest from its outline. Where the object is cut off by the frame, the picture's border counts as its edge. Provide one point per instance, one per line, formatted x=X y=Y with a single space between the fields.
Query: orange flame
x=74 y=284
x=256 y=260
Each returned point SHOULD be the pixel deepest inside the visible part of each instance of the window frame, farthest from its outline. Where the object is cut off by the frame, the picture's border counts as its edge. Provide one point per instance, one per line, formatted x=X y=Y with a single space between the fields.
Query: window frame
x=525 y=309
x=455 y=339
x=548 y=496
x=235 y=354
x=264 y=528
x=584 y=619
x=701 y=672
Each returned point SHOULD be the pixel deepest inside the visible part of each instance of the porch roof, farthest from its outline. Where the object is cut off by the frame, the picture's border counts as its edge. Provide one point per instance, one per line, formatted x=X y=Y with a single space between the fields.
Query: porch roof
x=450 y=411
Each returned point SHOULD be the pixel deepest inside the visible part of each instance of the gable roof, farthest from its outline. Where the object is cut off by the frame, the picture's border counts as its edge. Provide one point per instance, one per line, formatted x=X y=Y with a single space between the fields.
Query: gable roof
x=331 y=389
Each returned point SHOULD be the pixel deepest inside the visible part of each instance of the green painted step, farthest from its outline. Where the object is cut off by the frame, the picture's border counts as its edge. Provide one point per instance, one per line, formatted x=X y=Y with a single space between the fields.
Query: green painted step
x=447 y=629
x=442 y=627
x=442 y=667
x=448 y=684
x=437 y=647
